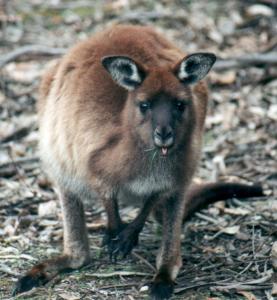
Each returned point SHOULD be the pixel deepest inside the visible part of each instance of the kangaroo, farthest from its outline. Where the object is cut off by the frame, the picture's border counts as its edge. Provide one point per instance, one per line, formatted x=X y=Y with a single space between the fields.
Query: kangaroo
x=122 y=115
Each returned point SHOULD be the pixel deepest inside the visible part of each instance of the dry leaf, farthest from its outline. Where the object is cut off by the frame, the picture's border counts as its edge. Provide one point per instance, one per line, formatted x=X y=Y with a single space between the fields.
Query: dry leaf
x=47 y=223
x=274 y=289
x=243 y=236
x=220 y=205
x=9 y=230
x=259 y=10
x=218 y=249
x=237 y=211
x=47 y=208
x=231 y=230
x=247 y=295
x=144 y=289
x=24 y=71
x=259 y=111
x=274 y=255
x=225 y=78
x=69 y=296
x=2 y=98
x=272 y=112
x=96 y=225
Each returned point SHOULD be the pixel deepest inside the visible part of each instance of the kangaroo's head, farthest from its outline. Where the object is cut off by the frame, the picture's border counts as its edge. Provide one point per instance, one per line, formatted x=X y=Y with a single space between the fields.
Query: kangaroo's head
x=160 y=108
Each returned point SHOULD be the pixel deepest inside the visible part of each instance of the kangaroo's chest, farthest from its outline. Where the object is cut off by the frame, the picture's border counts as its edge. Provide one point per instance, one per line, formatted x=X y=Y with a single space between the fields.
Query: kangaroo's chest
x=152 y=178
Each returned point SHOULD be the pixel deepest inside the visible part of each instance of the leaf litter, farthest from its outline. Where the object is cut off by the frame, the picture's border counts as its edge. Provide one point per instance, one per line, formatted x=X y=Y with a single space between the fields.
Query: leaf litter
x=229 y=249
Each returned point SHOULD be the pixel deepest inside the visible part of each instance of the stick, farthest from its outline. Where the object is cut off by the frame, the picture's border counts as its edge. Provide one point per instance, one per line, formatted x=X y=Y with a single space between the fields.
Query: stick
x=153 y=15
x=248 y=285
x=195 y=286
x=207 y=218
x=242 y=287
x=247 y=61
x=144 y=261
x=30 y=50
x=20 y=161
x=17 y=134
x=67 y=5
x=8 y=270
x=119 y=273
x=17 y=257
x=9 y=169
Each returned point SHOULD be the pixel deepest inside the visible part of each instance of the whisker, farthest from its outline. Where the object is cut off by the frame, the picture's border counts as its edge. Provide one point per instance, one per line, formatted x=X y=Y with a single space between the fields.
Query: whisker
x=153 y=157
x=151 y=149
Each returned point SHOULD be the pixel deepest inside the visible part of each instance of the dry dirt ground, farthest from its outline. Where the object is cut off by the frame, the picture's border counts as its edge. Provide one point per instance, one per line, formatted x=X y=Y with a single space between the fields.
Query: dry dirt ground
x=227 y=248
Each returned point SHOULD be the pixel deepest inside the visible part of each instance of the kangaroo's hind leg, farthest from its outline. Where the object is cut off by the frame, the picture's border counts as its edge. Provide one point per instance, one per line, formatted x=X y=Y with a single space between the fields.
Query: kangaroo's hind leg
x=76 y=246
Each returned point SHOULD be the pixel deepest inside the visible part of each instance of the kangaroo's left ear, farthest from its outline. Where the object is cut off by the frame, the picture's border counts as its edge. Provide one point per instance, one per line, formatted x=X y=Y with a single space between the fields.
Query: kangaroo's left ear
x=194 y=67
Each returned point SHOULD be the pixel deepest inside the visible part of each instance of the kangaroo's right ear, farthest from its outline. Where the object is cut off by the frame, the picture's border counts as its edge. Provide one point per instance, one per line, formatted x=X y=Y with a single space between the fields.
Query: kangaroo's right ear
x=124 y=71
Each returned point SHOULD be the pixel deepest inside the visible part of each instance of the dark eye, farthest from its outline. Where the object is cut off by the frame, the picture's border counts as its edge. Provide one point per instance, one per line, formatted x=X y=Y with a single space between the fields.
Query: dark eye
x=144 y=106
x=180 y=106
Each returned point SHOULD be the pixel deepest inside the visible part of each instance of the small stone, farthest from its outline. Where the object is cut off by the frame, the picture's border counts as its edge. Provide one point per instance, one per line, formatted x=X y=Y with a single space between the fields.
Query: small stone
x=223 y=78
x=231 y=230
x=144 y=289
x=226 y=26
x=47 y=209
x=259 y=10
x=272 y=112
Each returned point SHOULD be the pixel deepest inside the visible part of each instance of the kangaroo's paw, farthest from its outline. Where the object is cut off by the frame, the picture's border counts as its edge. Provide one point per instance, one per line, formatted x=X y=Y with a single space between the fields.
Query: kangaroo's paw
x=121 y=242
x=43 y=272
x=161 y=289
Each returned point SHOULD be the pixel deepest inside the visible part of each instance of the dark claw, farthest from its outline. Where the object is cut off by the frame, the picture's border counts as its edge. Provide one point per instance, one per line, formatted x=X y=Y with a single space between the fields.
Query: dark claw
x=121 y=243
x=161 y=290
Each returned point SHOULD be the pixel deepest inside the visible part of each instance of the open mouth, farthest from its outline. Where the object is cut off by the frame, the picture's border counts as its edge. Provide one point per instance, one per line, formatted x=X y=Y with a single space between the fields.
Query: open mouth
x=164 y=151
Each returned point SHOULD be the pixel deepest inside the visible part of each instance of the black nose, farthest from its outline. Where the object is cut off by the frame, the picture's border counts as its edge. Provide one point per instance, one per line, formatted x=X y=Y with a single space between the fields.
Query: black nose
x=163 y=136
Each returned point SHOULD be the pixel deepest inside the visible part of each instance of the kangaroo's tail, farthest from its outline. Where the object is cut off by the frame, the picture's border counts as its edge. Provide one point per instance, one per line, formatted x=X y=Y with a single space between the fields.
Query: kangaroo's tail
x=200 y=195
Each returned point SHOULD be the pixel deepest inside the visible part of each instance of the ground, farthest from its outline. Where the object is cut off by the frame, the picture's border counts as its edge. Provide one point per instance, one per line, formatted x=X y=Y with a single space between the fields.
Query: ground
x=227 y=248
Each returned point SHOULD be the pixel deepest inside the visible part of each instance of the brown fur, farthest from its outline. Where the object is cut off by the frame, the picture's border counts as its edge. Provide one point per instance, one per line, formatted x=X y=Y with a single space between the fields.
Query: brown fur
x=94 y=140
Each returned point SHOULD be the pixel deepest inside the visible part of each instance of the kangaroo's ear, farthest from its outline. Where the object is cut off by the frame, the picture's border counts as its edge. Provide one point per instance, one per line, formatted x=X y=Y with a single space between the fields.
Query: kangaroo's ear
x=194 y=67
x=124 y=71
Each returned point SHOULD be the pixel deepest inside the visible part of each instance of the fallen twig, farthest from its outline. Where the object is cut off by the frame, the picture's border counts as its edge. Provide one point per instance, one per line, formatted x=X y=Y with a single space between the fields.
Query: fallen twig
x=20 y=161
x=119 y=273
x=244 y=287
x=121 y=285
x=151 y=15
x=247 y=61
x=67 y=5
x=21 y=203
x=17 y=134
x=245 y=269
x=6 y=269
x=185 y=288
x=248 y=285
x=208 y=219
x=24 y=256
x=146 y=262
x=30 y=50
x=9 y=169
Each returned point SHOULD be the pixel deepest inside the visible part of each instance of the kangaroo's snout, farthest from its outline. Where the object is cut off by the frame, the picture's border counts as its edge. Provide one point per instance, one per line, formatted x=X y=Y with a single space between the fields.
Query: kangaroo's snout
x=163 y=136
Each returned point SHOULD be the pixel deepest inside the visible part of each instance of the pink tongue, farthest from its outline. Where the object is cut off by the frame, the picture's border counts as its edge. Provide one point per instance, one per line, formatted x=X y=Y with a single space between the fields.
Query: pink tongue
x=164 y=151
